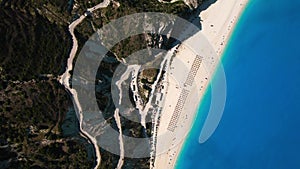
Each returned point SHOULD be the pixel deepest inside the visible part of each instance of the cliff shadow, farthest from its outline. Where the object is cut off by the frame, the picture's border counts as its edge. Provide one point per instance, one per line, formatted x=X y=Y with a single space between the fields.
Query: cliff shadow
x=193 y=16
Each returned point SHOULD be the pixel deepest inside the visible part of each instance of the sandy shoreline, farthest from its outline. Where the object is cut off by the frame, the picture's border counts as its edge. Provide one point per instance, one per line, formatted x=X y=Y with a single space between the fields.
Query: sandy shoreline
x=217 y=22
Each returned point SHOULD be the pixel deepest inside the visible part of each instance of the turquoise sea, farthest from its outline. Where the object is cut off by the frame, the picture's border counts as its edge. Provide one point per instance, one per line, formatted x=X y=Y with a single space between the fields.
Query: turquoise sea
x=260 y=127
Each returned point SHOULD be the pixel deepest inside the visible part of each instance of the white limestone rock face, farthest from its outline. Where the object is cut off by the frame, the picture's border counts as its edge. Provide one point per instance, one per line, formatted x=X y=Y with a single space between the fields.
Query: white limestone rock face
x=193 y=3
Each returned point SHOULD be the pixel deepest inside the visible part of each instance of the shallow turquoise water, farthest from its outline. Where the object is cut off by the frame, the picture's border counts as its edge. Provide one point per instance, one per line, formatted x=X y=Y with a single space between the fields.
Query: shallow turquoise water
x=261 y=121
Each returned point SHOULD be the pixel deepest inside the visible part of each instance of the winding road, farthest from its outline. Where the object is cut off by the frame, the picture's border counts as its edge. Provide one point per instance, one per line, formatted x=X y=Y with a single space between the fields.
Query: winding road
x=64 y=79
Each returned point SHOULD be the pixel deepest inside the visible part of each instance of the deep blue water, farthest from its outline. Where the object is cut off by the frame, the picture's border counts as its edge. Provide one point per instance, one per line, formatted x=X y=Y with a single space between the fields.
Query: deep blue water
x=260 y=127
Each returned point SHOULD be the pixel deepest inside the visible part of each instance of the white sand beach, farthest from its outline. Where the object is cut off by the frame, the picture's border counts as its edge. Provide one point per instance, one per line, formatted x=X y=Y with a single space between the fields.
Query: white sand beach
x=219 y=20
x=182 y=98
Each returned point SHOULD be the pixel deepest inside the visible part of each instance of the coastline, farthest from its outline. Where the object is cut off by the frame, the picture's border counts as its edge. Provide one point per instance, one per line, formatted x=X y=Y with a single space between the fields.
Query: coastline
x=217 y=22
x=219 y=37
x=260 y=30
